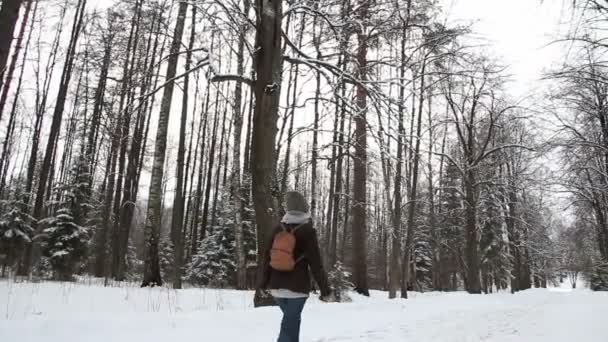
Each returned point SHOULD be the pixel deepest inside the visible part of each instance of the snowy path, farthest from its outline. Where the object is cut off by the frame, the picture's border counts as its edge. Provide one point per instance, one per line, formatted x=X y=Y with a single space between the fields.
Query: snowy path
x=53 y=312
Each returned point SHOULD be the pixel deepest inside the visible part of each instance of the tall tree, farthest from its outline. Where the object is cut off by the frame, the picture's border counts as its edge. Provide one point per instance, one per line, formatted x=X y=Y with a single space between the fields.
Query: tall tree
x=409 y=240
x=267 y=65
x=149 y=81
x=9 y=14
x=359 y=223
x=16 y=51
x=394 y=269
x=45 y=169
x=6 y=155
x=235 y=187
x=178 y=200
x=100 y=235
x=152 y=275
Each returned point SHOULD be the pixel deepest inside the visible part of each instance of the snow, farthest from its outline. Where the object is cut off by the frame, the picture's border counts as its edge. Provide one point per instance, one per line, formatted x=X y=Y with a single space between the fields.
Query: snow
x=58 y=312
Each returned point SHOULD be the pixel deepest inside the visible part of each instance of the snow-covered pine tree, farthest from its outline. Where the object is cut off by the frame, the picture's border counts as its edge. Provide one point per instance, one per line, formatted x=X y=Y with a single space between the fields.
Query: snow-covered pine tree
x=494 y=250
x=250 y=244
x=135 y=266
x=450 y=240
x=338 y=279
x=15 y=228
x=598 y=277
x=422 y=275
x=543 y=250
x=214 y=264
x=66 y=236
x=165 y=255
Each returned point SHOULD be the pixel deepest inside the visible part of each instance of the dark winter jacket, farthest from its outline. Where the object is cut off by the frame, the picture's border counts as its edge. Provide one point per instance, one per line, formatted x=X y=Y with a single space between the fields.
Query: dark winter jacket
x=298 y=280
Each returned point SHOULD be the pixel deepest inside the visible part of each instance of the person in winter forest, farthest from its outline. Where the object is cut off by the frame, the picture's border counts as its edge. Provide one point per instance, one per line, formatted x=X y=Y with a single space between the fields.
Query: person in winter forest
x=292 y=253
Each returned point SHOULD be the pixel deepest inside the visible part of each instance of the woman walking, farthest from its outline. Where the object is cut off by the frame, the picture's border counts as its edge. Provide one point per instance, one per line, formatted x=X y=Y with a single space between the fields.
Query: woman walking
x=291 y=255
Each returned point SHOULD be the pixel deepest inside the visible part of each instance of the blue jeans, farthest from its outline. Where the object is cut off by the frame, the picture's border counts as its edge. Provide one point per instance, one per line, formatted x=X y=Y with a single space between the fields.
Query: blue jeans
x=292 y=317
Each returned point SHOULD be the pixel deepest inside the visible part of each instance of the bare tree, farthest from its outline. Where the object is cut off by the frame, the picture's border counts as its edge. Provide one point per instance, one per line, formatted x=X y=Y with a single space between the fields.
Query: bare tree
x=9 y=14
x=31 y=255
x=152 y=275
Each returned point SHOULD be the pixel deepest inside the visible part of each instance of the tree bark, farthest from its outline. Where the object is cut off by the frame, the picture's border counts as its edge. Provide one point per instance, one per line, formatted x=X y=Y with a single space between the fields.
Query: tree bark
x=267 y=64
x=199 y=185
x=235 y=188
x=5 y=159
x=9 y=14
x=136 y=153
x=100 y=234
x=394 y=268
x=152 y=276
x=315 y=127
x=13 y=66
x=32 y=251
x=211 y=162
x=359 y=224
x=409 y=239
x=178 y=200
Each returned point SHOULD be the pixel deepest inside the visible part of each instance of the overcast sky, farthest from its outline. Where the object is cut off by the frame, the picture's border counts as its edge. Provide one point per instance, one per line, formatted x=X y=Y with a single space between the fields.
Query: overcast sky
x=518 y=32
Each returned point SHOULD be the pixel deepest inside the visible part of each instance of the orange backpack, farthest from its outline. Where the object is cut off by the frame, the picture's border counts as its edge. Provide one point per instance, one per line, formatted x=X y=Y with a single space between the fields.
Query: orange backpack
x=282 y=252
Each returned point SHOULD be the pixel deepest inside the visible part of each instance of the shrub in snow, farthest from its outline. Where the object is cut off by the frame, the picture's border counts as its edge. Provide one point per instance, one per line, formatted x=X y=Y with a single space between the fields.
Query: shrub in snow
x=165 y=255
x=135 y=266
x=339 y=281
x=15 y=230
x=249 y=236
x=214 y=264
x=598 y=277
x=65 y=244
x=65 y=238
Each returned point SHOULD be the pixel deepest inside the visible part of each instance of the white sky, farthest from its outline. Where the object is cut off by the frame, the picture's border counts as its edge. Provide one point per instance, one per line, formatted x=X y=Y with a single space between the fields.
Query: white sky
x=517 y=32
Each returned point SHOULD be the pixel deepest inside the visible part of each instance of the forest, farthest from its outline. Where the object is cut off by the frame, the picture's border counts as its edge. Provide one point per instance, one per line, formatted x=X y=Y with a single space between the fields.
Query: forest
x=154 y=140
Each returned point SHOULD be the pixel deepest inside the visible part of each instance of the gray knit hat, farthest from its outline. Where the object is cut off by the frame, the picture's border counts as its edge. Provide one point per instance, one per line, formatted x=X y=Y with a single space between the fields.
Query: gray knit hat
x=294 y=201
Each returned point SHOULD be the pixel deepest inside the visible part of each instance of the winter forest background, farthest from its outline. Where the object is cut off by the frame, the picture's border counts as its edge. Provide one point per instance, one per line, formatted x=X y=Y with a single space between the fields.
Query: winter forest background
x=152 y=140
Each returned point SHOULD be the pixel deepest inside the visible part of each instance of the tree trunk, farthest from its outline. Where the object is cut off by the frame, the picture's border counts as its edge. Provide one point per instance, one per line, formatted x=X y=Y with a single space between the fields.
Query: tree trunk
x=199 y=186
x=152 y=275
x=41 y=100
x=119 y=147
x=433 y=224
x=315 y=127
x=209 y=178
x=178 y=200
x=90 y=152
x=6 y=152
x=136 y=153
x=359 y=224
x=123 y=129
x=9 y=14
x=394 y=269
x=220 y=155
x=235 y=188
x=13 y=66
x=473 y=281
x=409 y=239
x=32 y=252
x=339 y=140
x=348 y=191
x=331 y=213
x=287 y=158
x=267 y=64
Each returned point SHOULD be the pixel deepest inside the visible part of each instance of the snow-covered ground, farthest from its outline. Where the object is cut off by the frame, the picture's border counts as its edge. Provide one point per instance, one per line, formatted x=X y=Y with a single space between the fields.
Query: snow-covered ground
x=58 y=312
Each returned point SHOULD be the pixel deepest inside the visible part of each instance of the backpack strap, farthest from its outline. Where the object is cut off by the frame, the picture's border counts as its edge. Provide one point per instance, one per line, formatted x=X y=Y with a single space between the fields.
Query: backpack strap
x=292 y=230
x=299 y=226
